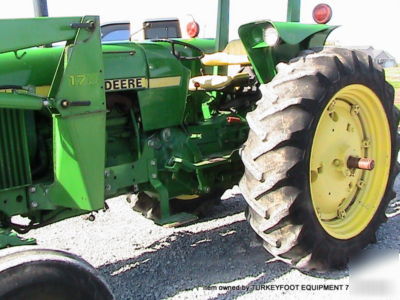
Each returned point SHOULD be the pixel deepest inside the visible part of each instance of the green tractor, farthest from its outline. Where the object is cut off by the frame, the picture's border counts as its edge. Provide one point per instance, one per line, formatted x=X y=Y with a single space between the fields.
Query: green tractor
x=308 y=132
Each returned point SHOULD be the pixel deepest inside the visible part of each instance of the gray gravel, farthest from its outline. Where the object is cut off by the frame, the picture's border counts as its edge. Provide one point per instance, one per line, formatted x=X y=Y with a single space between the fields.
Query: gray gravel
x=141 y=260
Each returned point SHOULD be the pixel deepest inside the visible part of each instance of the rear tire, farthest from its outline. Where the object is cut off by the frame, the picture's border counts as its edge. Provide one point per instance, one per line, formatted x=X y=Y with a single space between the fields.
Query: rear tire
x=280 y=183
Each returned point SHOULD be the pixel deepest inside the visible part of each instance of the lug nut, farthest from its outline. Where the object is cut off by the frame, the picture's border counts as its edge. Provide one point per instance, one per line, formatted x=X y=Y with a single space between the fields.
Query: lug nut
x=360 y=163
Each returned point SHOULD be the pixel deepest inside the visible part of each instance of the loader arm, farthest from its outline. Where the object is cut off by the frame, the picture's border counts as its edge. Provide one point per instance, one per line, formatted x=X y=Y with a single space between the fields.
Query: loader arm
x=75 y=103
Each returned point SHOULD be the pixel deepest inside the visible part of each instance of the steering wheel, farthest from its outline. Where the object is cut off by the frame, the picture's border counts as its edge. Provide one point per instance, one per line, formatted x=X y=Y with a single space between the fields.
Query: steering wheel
x=177 y=54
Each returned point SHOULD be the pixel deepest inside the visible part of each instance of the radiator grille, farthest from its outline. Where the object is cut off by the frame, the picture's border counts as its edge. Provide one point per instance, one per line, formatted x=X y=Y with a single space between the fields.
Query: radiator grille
x=14 y=155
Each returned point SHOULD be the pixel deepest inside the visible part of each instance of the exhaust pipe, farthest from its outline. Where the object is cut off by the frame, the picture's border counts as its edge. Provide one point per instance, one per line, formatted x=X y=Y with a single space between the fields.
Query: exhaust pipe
x=40 y=8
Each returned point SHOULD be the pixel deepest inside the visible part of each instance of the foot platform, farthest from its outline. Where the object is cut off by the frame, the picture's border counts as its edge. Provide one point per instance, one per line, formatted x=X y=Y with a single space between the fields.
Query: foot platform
x=177 y=220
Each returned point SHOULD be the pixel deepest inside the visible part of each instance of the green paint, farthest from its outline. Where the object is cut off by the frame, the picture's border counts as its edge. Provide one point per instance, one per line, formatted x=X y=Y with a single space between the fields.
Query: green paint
x=294 y=37
x=118 y=118
x=79 y=155
x=14 y=163
x=293 y=11
x=10 y=239
x=25 y=33
x=177 y=220
x=222 y=35
x=20 y=101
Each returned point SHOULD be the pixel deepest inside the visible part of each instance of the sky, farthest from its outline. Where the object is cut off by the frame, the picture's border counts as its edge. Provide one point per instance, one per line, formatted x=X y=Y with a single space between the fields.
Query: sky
x=363 y=23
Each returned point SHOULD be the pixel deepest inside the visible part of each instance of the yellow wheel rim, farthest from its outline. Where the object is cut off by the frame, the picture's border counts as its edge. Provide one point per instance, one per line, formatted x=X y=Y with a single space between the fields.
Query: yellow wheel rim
x=353 y=124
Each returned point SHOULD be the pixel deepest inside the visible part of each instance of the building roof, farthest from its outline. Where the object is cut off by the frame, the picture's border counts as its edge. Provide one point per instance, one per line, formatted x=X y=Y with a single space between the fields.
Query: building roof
x=374 y=53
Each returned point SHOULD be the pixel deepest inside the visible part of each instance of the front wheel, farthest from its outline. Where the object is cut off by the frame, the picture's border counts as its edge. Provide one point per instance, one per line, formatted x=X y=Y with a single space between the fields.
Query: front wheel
x=320 y=159
x=41 y=274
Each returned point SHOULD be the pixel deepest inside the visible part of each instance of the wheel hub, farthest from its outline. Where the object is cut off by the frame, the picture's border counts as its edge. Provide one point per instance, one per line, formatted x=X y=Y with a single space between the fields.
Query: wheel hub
x=343 y=175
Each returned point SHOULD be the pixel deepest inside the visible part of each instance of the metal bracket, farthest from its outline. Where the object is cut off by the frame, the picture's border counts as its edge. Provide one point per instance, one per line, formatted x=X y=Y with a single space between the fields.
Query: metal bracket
x=89 y=25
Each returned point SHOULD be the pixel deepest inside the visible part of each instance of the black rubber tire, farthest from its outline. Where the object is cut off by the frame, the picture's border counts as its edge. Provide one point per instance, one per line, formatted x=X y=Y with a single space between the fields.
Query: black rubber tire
x=32 y=273
x=277 y=153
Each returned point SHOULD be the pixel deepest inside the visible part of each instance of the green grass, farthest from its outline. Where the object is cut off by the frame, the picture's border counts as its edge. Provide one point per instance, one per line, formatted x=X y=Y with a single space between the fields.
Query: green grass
x=392 y=74
x=395 y=84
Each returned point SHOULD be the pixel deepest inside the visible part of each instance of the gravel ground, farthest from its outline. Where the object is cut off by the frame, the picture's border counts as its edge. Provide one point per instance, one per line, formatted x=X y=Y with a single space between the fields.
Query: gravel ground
x=215 y=258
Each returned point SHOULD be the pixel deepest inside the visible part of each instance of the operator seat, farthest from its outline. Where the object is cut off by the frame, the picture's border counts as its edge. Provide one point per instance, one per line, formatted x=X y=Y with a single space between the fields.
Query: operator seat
x=234 y=56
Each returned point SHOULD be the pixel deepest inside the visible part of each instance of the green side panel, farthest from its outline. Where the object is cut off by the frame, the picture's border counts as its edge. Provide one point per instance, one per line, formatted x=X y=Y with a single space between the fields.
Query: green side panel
x=80 y=75
x=162 y=95
x=14 y=154
x=164 y=107
x=125 y=60
x=79 y=130
x=79 y=155
x=294 y=37
x=45 y=31
x=163 y=103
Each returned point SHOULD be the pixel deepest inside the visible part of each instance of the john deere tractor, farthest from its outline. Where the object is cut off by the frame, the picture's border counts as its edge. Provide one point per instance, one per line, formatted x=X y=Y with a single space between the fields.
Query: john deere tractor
x=308 y=132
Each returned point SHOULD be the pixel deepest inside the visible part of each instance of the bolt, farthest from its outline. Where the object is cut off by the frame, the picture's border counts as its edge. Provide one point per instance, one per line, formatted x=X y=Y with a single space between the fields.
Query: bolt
x=341 y=214
x=154 y=176
x=34 y=204
x=336 y=162
x=153 y=162
x=108 y=187
x=91 y=217
x=360 y=184
x=166 y=134
x=366 y=143
x=32 y=189
x=64 y=103
x=360 y=163
x=107 y=173
x=355 y=109
x=91 y=24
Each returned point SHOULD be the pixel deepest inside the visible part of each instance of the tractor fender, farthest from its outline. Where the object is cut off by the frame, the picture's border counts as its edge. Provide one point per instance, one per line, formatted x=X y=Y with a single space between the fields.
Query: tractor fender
x=294 y=37
x=295 y=33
